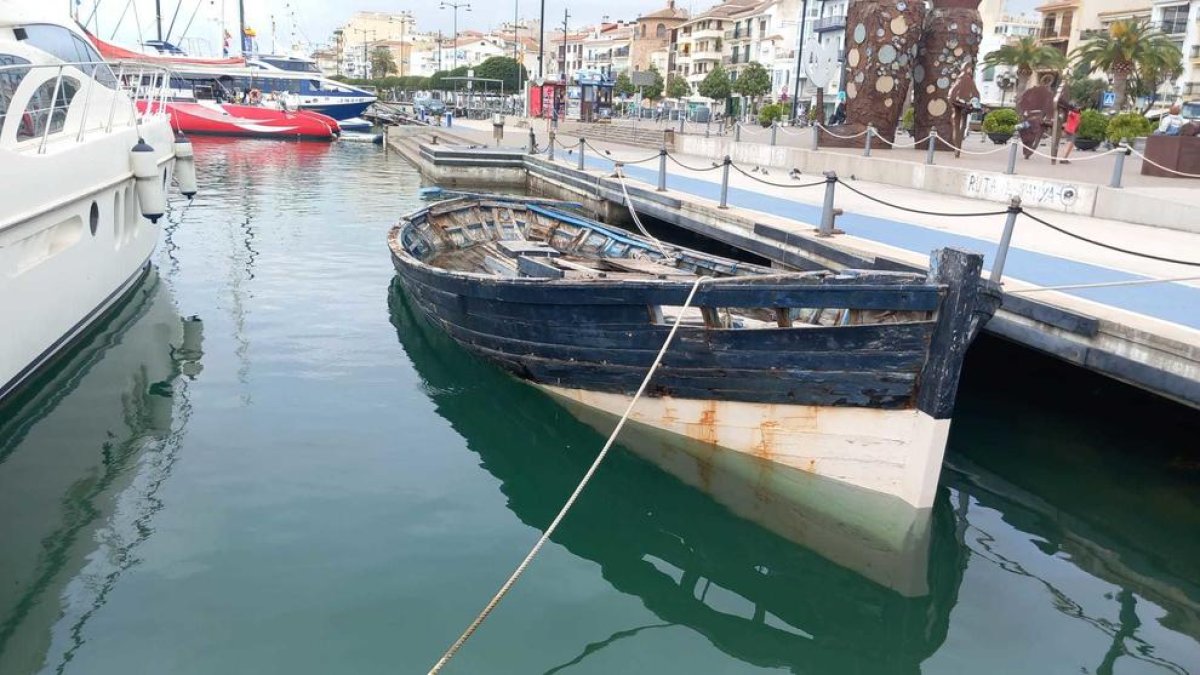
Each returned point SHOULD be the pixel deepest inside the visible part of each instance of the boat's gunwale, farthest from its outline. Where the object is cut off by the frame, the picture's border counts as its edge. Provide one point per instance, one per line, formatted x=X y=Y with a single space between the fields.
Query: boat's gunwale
x=899 y=281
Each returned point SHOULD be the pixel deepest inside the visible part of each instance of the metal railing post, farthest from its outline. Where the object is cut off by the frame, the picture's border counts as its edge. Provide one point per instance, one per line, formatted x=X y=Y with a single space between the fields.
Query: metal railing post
x=932 y=146
x=1119 y=166
x=662 y=169
x=582 y=144
x=112 y=102
x=551 y=142
x=725 y=183
x=87 y=104
x=737 y=132
x=50 y=111
x=774 y=131
x=867 y=143
x=816 y=137
x=827 y=210
x=1014 y=209
x=1013 y=145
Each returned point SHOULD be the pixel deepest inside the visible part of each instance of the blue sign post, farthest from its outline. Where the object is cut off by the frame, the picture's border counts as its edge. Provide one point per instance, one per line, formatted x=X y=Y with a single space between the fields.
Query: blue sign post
x=1109 y=100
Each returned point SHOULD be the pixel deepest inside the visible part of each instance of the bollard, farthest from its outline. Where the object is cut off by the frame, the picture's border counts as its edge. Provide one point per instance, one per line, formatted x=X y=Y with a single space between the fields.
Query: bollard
x=827 y=213
x=737 y=132
x=816 y=136
x=551 y=142
x=725 y=183
x=1014 y=209
x=1013 y=145
x=867 y=145
x=582 y=144
x=662 y=169
x=1119 y=166
x=774 y=131
x=932 y=146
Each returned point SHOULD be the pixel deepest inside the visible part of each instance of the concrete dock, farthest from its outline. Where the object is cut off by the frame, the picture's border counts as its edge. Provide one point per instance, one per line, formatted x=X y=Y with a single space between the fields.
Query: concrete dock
x=1124 y=323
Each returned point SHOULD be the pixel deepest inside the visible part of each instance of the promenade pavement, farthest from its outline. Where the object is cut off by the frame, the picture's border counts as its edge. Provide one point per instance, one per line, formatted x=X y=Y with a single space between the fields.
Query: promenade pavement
x=1039 y=258
x=1094 y=167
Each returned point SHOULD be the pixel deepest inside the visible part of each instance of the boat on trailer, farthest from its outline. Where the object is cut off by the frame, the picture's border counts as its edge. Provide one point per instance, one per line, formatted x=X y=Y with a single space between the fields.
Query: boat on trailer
x=848 y=374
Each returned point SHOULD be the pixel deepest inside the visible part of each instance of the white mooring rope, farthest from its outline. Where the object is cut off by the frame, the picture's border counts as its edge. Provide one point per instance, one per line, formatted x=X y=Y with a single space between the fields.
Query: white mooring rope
x=633 y=212
x=1105 y=284
x=587 y=477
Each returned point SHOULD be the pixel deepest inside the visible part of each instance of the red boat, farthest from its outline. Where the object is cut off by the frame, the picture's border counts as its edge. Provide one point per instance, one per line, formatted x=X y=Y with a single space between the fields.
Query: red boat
x=228 y=119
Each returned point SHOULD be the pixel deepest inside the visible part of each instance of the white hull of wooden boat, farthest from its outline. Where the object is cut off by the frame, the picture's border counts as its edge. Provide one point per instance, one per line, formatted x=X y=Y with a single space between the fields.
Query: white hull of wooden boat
x=892 y=452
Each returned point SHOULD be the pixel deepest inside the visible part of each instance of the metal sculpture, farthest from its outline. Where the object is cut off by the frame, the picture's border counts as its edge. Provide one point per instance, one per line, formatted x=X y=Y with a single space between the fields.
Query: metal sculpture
x=891 y=44
x=1035 y=107
x=964 y=99
x=882 y=37
x=949 y=47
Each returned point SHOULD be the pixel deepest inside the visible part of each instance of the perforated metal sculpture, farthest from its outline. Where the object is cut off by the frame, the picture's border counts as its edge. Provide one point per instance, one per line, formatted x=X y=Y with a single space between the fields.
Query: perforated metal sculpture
x=891 y=44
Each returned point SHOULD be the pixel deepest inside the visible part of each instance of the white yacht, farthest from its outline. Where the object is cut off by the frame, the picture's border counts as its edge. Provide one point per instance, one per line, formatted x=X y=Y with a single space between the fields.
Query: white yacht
x=86 y=156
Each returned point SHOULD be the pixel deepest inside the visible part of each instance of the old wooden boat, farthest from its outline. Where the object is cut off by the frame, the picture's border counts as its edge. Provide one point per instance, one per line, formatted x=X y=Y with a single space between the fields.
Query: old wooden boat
x=849 y=375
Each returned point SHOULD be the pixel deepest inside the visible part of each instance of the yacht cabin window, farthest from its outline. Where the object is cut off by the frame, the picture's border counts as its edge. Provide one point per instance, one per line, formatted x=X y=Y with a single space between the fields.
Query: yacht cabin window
x=69 y=47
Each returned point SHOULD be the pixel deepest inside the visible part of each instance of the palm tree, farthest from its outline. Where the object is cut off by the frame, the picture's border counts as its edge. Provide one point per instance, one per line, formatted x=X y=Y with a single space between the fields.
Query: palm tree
x=1128 y=49
x=1027 y=55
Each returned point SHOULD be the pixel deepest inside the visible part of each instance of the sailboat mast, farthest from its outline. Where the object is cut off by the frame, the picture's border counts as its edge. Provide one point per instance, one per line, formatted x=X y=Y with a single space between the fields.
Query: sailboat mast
x=242 y=26
x=158 y=18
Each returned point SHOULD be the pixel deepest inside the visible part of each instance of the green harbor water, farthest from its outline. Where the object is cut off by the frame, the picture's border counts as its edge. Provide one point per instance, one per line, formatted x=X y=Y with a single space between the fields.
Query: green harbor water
x=263 y=462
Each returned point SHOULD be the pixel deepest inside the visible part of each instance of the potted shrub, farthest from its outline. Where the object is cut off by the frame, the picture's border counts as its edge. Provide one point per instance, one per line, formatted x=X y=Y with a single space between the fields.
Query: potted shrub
x=906 y=121
x=1093 y=125
x=1000 y=124
x=1128 y=127
x=770 y=113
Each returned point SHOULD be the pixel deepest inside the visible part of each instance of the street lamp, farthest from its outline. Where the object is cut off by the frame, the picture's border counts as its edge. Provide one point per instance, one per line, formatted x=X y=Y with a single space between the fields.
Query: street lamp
x=1004 y=81
x=366 y=61
x=455 y=6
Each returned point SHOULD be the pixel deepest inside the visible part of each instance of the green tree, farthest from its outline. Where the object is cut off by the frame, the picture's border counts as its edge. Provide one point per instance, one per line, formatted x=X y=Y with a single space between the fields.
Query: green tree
x=715 y=85
x=1026 y=54
x=624 y=86
x=678 y=87
x=1128 y=50
x=382 y=63
x=1150 y=76
x=1086 y=91
x=654 y=91
x=503 y=68
x=753 y=82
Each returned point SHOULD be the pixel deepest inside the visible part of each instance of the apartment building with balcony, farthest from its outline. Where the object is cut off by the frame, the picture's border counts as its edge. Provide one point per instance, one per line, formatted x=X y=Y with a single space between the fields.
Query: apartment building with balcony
x=1000 y=28
x=1179 y=20
x=1065 y=24
x=700 y=41
x=607 y=50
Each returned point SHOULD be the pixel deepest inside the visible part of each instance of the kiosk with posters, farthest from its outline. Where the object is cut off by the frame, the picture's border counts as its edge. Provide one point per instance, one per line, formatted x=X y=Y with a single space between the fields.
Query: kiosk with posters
x=543 y=96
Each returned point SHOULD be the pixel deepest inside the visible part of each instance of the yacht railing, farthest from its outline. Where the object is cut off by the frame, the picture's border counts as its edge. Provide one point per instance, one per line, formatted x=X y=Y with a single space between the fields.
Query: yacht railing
x=145 y=89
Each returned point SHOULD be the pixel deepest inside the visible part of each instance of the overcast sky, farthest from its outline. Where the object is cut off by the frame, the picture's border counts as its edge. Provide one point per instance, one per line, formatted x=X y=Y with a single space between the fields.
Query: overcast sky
x=316 y=19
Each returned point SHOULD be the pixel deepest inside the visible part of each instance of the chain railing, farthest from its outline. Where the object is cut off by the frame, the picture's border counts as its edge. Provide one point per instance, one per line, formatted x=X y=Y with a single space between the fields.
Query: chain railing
x=829 y=212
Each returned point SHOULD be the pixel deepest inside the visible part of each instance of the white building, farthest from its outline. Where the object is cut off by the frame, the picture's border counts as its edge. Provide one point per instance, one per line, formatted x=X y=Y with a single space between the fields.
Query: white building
x=1000 y=29
x=607 y=49
x=1180 y=21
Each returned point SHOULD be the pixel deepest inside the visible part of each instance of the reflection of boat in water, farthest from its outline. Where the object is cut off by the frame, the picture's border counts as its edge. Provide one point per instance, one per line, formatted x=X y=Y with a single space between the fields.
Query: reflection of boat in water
x=82 y=453
x=756 y=596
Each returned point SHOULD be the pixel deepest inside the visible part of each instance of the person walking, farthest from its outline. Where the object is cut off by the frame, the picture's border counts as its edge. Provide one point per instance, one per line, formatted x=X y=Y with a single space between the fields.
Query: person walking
x=1070 y=126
